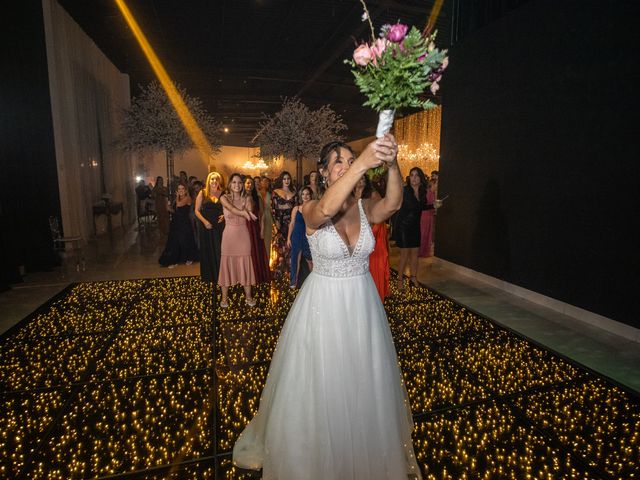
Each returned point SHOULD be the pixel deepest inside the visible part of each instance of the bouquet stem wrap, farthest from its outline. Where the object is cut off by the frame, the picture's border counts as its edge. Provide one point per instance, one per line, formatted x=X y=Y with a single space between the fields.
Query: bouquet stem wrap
x=385 y=122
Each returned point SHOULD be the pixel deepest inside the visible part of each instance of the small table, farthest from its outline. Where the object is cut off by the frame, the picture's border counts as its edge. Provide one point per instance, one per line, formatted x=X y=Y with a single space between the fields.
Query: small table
x=108 y=209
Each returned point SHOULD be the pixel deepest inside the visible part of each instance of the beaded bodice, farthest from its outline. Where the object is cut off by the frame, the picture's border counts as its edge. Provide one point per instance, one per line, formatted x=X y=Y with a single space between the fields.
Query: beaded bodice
x=331 y=255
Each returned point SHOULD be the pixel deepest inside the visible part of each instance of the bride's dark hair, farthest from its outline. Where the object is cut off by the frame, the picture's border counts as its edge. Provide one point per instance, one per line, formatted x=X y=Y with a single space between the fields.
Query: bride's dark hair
x=325 y=154
x=334 y=146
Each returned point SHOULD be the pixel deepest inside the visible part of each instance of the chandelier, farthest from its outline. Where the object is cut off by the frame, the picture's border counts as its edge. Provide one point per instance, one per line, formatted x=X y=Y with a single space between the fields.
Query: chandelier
x=424 y=156
x=259 y=165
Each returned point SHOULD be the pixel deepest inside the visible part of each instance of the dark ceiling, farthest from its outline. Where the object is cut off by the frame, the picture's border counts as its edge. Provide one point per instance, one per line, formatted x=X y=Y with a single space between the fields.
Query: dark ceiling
x=241 y=57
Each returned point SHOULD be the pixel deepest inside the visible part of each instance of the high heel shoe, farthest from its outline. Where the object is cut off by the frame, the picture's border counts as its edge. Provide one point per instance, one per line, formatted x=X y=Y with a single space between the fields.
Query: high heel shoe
x=400 y=284
x=251 y=302
x=414 y=281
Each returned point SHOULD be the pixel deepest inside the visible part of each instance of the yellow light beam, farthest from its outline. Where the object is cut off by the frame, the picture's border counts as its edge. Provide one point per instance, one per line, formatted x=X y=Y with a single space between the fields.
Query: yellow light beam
x=190 y=124
x=433 y=16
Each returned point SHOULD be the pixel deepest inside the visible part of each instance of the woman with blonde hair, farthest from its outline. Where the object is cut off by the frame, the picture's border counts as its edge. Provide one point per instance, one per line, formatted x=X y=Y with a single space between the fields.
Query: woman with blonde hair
x=208 y=211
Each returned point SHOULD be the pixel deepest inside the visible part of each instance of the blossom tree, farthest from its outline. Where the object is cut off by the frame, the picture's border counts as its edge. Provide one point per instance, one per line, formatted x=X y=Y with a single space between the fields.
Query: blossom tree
x=297 y=132
x=152 y=123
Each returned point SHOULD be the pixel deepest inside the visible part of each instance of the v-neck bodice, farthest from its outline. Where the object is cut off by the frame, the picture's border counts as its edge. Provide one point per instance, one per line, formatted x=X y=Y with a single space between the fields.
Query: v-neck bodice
x=331 y=255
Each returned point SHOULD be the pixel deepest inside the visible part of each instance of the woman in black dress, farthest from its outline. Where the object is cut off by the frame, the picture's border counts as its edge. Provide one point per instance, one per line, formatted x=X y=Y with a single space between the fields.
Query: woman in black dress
x=406 y=228
x=283 y=199
x=210 y=226
x=181 y=245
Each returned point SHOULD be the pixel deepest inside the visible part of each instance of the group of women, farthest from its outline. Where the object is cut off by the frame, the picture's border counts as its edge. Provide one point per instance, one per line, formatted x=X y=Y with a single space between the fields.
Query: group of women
x=248 y=234
x=244 y=227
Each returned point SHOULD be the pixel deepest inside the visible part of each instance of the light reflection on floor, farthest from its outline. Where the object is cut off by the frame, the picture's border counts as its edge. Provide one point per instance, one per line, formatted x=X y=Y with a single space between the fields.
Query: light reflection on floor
x=148 y=376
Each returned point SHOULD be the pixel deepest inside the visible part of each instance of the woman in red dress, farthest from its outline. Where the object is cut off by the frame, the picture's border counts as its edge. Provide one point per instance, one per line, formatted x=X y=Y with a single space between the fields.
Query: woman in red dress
x=256 y=230
x=379 y=265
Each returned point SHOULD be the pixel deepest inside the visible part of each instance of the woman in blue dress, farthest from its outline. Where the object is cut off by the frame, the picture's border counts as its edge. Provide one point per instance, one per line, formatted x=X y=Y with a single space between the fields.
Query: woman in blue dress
x=297 y=240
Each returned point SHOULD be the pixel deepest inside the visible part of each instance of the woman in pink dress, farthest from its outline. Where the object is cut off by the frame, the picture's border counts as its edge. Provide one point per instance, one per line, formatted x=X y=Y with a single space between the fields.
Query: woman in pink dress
x=236 y=265
x=426 y=224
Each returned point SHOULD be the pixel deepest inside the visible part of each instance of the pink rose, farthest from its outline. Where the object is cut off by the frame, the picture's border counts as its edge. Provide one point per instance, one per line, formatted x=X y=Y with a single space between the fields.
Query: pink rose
x=363 y=55
x=378 y=48
x=445 y=62
x=434 y=87
x=397 y=32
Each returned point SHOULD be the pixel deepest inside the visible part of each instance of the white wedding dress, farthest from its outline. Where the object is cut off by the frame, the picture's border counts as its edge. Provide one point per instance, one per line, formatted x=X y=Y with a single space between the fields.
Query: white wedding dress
x=334 y=406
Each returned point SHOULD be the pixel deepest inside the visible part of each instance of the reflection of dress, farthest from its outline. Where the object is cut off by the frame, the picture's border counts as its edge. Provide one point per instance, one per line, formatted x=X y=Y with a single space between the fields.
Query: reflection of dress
x=210 y=240
x=235 y=259
x=258 y=253
x=379 y=260
x=426 y=227
x=281 y=212
x=334 y=406
x=181 y=246
x=299 y=248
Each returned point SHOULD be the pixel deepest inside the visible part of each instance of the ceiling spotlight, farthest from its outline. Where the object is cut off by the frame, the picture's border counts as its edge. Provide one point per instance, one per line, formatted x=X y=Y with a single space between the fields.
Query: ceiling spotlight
x=226 y=129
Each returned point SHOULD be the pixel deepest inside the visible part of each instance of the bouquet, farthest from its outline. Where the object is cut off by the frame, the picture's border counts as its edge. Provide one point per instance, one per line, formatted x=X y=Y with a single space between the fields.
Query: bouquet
x=395 y=69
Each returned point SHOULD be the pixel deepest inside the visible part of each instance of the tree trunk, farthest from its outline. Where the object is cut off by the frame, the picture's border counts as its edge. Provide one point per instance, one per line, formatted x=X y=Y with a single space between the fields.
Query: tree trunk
x=298 y=172
x=169 y=156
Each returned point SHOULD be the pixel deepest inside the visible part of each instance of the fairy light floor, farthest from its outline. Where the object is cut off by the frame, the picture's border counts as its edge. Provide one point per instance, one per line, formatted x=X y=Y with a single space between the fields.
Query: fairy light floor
x=147 y=379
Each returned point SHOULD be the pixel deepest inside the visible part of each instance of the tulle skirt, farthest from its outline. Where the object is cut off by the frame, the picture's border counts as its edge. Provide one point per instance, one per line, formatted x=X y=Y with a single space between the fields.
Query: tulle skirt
x=334 y=405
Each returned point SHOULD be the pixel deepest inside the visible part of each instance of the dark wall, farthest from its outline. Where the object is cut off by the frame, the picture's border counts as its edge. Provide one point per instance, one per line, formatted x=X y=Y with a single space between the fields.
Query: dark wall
x=28 y=179
x=539 y=153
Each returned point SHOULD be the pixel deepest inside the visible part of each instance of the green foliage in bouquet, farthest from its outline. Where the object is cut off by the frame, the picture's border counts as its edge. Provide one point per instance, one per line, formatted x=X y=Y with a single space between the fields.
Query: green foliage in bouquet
x=394 y=74
x=397 y=76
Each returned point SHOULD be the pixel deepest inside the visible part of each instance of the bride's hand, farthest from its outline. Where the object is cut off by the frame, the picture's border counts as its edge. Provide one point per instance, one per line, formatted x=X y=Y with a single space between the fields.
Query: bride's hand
x=387 y=149
x=369 y=158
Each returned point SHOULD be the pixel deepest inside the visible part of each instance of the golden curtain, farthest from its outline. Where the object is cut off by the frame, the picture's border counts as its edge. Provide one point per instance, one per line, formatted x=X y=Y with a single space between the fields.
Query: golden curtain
x=418 y=137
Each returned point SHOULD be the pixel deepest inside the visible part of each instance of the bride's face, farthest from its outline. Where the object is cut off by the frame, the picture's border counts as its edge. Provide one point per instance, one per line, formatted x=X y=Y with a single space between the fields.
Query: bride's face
x=338 y=165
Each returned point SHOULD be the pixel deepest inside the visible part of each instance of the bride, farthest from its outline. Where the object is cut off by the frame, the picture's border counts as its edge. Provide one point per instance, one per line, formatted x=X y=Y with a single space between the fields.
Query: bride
x=334 y=406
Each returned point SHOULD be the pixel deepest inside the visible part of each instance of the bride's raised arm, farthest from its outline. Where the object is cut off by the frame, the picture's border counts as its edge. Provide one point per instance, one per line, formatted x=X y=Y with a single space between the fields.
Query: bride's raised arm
x=340 y=185
x=380 y=209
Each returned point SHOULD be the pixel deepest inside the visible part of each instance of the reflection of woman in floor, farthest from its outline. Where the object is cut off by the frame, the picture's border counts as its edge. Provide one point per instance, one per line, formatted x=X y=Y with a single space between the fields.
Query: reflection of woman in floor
x=334 y=406
x=297 y=240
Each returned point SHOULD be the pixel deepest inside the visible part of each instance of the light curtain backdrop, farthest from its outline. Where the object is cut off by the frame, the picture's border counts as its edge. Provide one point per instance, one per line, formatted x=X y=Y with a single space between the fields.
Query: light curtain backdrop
x=88 y=95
